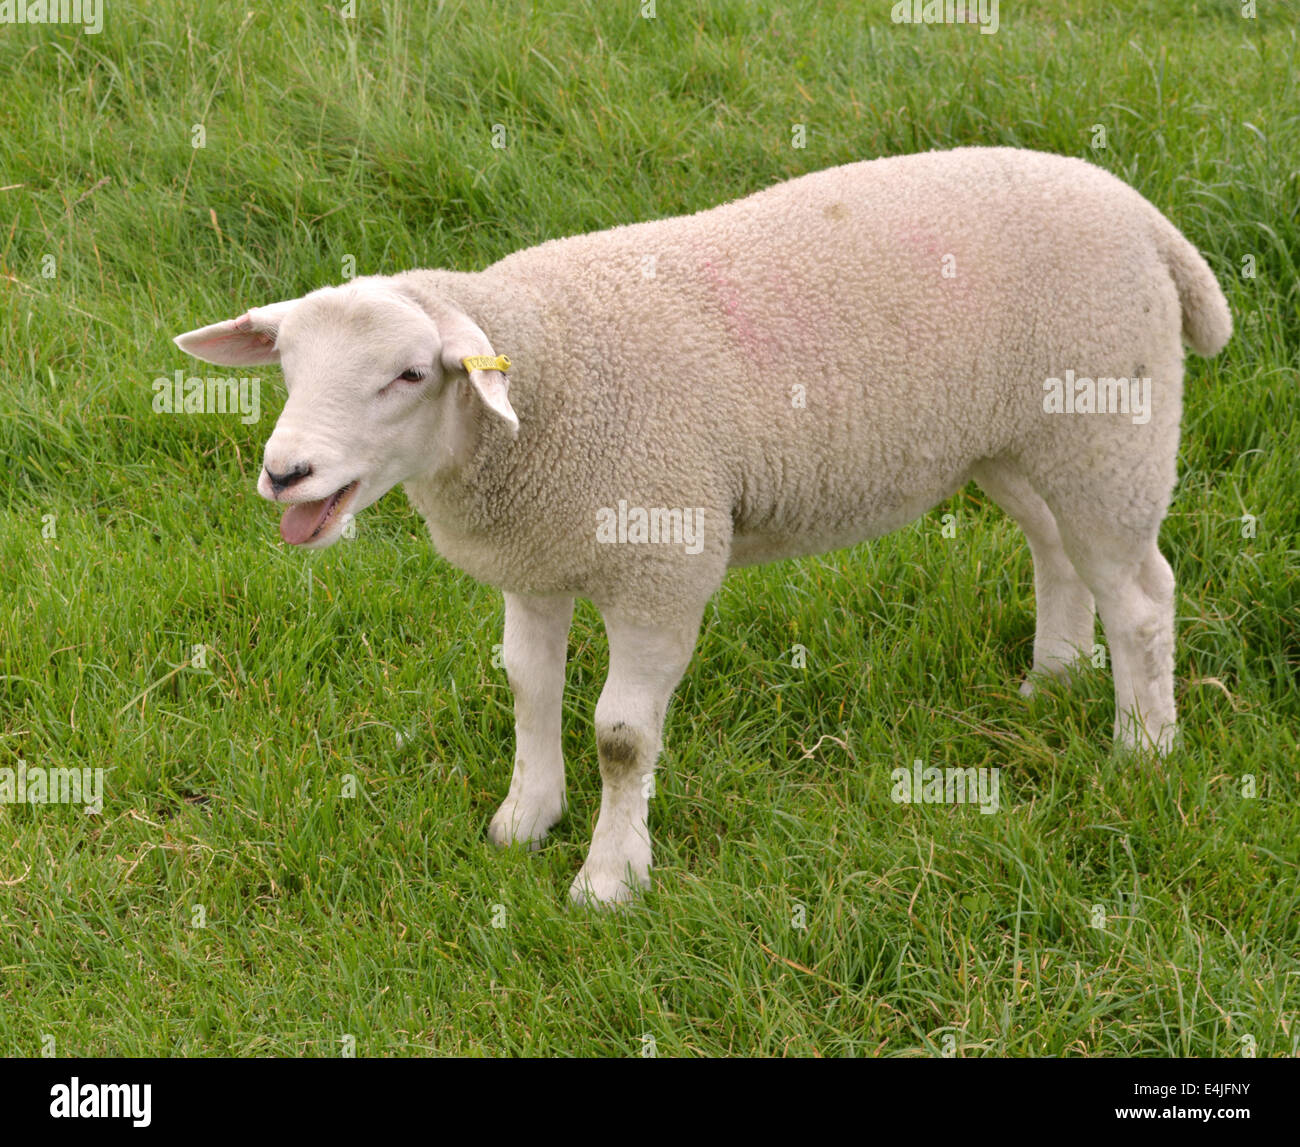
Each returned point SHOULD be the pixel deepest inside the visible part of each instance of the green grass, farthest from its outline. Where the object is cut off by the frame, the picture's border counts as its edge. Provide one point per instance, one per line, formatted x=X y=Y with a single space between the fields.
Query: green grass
x=927 y=928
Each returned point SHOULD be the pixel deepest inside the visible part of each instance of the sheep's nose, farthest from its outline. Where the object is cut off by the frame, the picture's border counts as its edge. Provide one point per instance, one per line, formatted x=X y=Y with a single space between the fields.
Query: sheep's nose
x=288 y=478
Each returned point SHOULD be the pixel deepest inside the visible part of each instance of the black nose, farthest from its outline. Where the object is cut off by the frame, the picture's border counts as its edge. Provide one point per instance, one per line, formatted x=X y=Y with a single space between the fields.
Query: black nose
x=289 y=477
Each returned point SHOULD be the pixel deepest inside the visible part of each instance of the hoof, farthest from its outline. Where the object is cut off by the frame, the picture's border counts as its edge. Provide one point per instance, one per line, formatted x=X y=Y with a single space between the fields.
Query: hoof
x=607 y=888
x=517 y=824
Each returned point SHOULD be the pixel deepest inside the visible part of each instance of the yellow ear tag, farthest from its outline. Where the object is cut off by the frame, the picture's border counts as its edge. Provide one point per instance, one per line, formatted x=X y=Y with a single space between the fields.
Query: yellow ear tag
x=486 y=362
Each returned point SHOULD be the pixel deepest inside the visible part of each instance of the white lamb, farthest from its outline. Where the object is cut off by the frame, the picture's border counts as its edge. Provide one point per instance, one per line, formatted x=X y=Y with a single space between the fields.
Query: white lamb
x=819 y=363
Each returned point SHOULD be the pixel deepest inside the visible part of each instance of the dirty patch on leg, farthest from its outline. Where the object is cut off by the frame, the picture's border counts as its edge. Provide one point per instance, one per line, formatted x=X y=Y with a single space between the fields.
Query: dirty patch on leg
x=619 y=745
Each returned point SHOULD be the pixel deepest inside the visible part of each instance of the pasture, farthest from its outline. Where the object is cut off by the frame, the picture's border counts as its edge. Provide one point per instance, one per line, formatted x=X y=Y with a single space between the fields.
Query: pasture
x=301 y=752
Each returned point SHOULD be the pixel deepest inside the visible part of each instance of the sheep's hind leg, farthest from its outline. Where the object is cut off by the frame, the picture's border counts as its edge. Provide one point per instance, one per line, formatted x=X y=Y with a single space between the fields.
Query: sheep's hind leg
x=1064 y=623
x=1135 y=597
x=645 y=664
x=535 y=643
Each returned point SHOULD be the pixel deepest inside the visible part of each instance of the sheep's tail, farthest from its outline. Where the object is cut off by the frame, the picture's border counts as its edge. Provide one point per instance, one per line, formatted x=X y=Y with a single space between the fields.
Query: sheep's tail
x=1207 y=321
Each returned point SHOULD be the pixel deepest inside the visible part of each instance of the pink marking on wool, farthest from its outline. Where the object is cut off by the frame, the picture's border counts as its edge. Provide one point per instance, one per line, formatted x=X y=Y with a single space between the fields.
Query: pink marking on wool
x=917 y=236
x=752 y=339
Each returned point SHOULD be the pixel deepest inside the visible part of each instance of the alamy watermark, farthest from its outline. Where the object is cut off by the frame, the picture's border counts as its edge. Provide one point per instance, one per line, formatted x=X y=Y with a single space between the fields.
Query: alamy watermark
x=637 y=525
x=1082 y=395
x=981 y=12
x=88 y=13
x=77 y=1100
x=922 y=785
x=181 y=395
x=36 y=785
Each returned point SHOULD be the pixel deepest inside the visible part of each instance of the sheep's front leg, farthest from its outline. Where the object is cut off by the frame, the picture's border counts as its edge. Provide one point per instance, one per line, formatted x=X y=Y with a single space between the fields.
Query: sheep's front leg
x=535 y=643
x=645 y=664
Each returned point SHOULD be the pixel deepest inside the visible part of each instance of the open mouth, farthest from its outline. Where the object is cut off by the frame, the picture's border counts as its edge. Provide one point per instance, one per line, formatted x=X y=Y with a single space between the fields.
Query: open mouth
x=304 y=522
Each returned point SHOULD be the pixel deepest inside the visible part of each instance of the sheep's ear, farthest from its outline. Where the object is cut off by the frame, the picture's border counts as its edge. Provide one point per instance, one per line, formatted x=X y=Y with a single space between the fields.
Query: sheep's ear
x=462 y=339
x=246 y=341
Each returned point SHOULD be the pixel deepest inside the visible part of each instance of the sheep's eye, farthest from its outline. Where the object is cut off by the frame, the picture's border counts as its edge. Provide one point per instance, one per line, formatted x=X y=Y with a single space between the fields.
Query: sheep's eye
x=412 y=375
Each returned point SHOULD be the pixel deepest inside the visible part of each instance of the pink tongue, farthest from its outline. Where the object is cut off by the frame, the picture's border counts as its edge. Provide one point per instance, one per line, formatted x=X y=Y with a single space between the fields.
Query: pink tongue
x=301 y=519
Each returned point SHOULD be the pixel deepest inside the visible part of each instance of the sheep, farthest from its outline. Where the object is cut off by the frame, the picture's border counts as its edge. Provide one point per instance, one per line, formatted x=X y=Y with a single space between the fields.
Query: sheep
x=797 y=371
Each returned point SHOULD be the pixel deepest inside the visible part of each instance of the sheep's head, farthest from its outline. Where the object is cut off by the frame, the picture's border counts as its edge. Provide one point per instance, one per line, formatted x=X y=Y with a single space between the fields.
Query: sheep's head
x=378 y=393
